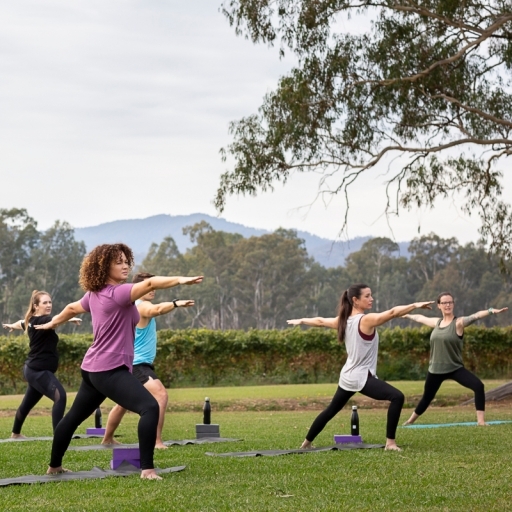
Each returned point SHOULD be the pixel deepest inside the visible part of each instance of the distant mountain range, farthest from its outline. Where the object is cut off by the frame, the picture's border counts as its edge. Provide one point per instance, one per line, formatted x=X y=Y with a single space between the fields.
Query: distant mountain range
x=139 y=234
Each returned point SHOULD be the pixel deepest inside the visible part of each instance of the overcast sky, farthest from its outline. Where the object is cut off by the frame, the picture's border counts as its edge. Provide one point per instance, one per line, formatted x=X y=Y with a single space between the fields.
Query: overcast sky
x=117 y=109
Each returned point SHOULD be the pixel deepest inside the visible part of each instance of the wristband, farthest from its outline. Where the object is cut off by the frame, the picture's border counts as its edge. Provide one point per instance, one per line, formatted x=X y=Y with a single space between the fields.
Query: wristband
x=174 y=302
x=490 y=311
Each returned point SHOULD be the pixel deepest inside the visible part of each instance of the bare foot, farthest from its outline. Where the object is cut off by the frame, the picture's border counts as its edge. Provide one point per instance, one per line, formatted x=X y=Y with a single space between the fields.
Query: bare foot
x=110 y=441
x=57 y=471
x=159 y=445
x=392 y=447
x=150 y=474
x=483 y=424
x=306 y=445
x=18 y=436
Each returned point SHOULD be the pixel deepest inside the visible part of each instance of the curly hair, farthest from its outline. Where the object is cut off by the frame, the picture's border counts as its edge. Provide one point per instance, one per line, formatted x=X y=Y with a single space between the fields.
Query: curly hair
x=95 y=268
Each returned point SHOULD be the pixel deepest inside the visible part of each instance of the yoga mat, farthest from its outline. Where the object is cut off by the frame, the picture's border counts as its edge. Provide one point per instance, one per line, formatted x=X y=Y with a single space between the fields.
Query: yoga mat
x=464 y=424
x=183 y=442
x=124 y=469
x=270 y=453
x=21 y=439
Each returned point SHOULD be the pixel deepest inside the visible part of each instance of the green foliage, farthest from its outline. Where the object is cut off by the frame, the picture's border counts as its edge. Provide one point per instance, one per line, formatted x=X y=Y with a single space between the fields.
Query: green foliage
x=202 y=357
x=33 y=260
x=422 y=88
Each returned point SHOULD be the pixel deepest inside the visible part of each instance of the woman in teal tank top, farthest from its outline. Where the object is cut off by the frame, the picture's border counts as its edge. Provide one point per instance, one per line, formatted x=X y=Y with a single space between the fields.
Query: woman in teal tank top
x=446 y=355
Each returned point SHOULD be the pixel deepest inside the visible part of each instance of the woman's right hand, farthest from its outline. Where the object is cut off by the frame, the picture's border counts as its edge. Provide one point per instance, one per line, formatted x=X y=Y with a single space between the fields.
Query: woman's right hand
x=295 y=321
x=45 y=327
x=8 y=326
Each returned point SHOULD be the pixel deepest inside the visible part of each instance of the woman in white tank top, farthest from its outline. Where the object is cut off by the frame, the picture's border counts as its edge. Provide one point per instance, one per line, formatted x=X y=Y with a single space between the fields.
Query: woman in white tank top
x=357 y=330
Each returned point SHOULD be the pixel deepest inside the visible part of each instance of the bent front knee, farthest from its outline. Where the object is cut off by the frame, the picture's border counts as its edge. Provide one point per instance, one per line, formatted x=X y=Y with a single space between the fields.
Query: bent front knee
x=152 y=408
x=398 y=398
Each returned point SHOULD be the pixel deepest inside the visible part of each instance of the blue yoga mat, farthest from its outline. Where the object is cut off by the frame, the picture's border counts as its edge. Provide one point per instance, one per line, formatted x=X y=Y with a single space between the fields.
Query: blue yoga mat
x=465 y=424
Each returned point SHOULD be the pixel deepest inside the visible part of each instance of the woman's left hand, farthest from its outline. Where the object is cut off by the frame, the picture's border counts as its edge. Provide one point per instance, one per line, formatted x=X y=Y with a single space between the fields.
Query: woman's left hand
x=424 y=305
x=185 y=303
x=498 y=311
x=191 y=280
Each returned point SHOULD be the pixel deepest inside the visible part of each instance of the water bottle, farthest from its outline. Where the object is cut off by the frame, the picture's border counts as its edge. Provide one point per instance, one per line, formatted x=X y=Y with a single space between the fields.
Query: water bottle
x=207 y=412
x=354 y=422
x=97 y=418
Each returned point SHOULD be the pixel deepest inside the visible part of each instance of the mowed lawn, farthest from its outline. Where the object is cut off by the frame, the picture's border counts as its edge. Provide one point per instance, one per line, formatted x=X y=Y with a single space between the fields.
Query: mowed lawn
x=445 y=469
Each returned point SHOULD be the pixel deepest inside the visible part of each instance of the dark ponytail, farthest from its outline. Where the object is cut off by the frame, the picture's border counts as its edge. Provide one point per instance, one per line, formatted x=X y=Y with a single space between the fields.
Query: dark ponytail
x=345 y=307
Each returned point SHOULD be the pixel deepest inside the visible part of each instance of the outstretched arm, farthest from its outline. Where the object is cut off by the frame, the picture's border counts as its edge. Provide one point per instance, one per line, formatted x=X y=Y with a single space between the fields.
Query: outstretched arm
x=464 y=321
x=12 y=327
x=160 y=283
x=148 y=310
x=66 y=315
x=422 y=319
x=372 y=320
x=318 y=321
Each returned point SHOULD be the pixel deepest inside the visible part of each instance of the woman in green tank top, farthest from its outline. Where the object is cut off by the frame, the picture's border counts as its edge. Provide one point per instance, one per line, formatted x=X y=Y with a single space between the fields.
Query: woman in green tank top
x=446 y=355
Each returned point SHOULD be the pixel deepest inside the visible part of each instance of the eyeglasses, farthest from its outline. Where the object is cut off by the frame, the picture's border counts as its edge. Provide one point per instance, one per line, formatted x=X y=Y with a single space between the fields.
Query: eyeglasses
x=449 y=303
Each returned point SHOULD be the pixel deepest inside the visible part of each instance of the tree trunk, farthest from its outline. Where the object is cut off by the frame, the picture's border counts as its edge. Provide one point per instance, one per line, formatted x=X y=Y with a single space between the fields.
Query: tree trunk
x=495 y=394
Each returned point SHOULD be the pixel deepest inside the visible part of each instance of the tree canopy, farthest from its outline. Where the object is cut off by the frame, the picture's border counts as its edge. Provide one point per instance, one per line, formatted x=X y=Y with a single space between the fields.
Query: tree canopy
x=426 y=92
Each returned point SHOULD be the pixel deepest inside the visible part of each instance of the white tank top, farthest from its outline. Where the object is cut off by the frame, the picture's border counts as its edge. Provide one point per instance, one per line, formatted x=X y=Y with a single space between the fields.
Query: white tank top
x=361 y=356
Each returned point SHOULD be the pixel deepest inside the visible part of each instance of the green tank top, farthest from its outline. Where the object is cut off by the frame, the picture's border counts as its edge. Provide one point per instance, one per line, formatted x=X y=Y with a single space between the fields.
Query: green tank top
x=445 y=349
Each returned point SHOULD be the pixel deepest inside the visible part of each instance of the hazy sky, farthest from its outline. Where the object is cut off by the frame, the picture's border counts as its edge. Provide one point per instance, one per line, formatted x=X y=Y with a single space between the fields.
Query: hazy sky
x=117 y=109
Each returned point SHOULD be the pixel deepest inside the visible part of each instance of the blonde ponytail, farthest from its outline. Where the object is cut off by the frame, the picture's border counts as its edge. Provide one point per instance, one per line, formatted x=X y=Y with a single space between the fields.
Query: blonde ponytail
x=34 y=301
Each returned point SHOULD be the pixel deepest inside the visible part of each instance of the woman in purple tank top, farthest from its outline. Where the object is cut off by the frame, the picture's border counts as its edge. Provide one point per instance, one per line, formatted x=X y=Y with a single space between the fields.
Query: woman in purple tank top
x=107 y=365
x=357 y=330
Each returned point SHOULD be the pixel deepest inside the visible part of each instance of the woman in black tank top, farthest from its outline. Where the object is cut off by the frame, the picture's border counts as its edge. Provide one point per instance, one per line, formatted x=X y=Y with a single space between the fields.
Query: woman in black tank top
x=42 y=362
x=446 y=355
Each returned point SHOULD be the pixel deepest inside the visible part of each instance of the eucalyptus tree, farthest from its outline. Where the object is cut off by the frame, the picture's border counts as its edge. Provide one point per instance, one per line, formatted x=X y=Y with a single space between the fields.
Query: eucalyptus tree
x=428 y=85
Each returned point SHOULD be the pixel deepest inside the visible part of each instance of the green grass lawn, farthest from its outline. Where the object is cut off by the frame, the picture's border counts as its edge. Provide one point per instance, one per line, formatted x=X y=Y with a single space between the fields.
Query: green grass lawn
x=271 y=397
x=445 y=469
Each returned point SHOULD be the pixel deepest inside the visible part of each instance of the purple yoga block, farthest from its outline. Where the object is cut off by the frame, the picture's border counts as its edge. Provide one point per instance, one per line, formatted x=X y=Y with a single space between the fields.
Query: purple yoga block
x=95 y=431
x=125 y=454
x=130 y=455
x=114 y=464
x=347 y=439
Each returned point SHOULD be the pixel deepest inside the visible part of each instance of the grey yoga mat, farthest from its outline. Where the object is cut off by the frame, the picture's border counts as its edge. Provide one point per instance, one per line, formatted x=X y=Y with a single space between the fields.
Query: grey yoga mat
x=125 y=469
x=24 y=439
x=183 y=442
x=270 y=453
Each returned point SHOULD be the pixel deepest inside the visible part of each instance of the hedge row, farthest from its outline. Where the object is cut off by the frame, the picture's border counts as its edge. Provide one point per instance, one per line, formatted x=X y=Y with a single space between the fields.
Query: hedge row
x=200 y=357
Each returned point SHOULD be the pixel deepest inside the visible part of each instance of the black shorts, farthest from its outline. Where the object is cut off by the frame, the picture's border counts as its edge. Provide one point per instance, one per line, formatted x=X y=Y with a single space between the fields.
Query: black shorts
x=144 y=371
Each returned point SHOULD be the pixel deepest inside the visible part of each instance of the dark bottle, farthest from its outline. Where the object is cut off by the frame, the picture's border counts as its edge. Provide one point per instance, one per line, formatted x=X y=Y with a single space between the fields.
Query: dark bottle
x=354 y=422
x=97 y=418
x=207 y=412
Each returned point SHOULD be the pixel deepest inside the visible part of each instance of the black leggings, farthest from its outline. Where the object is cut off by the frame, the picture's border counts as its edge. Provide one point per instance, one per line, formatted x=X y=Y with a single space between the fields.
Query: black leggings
x=40 y=383
x=124 y=389
x=374 y=388
x=463 y=377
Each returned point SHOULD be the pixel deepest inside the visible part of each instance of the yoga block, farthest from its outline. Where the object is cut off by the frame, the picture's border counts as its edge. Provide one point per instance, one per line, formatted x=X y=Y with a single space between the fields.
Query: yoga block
x=130 y=455
x=207 y=431
x=347 y=439
x=95 y=431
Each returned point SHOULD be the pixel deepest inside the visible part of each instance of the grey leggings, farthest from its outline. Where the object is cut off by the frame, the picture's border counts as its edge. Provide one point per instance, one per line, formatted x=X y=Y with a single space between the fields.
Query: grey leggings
x=122 y=388
x=374 y=388
x=40 y=383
